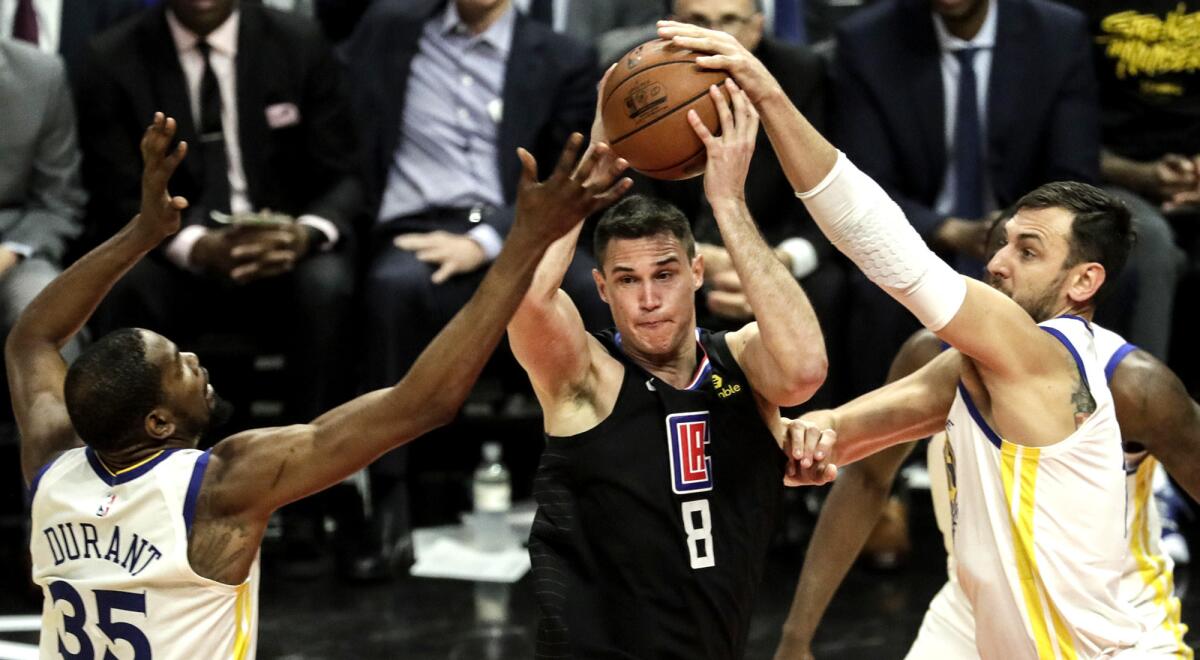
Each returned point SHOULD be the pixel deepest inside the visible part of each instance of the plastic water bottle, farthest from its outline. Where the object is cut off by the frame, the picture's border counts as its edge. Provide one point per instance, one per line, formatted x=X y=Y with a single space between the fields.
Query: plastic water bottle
x=492 y=492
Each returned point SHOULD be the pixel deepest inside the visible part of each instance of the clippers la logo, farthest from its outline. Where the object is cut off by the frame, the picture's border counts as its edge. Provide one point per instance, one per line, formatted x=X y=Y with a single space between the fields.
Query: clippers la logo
x=687 y=439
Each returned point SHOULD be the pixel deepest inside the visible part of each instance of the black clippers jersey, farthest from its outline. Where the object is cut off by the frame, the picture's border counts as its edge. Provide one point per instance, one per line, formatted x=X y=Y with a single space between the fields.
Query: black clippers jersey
x=652 y=527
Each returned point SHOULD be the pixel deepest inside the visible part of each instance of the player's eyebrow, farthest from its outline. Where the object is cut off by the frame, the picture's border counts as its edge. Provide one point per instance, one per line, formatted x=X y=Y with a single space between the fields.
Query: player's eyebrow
x=1029 y=237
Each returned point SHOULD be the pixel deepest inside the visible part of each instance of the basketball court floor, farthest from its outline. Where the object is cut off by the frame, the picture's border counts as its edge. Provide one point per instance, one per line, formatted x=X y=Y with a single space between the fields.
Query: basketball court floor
x=875 y=615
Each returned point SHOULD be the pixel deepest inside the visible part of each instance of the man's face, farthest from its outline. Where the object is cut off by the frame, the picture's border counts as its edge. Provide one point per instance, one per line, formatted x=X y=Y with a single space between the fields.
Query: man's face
x=1029 y=264
x=957 y=9
x=737 y=17
x=650 y=285
x=477 y=7
x=187 y=396
x=202 y=16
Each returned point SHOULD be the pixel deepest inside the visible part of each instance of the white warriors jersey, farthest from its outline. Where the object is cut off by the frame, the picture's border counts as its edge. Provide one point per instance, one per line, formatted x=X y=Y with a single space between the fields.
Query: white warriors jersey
x=1147 y=580
x=110 y=551
x=1038 y=534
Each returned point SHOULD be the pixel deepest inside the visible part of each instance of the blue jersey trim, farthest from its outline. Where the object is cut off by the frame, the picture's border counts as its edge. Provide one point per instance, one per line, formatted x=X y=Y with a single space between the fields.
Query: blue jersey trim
x=111 y=479
x=975 y=415
x=37 y=478
x=1075 y=354
x=193 y=491
x=1087 y=324
x=1116 y=358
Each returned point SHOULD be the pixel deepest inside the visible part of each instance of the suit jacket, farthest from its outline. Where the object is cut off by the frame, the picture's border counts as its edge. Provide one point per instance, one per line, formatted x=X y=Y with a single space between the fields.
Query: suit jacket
x=769 y=195
x=549 y=91
x=82 y=19
x=306 y=167
x=1042 y=108
x=41 y=197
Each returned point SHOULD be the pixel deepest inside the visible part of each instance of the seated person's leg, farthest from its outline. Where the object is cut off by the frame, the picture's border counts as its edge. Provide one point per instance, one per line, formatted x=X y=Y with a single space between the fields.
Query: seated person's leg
x=1152 y=274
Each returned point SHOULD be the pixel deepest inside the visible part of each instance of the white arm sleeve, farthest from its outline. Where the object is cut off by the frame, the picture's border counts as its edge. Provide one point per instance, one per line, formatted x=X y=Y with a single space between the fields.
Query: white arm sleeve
x=868 y=227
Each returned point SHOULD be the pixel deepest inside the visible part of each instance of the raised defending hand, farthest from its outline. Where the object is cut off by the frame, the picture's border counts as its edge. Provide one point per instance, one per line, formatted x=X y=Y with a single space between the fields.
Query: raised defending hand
x=810 y=446
x=721 y=50
x=550 y=208
x=159 y=215
x=729 y=153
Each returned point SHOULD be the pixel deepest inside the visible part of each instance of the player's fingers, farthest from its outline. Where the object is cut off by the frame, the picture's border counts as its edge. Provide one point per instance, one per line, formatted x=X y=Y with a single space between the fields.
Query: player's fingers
x=826 y=442
x=594 y=154
x=570 y=154
x=528 y=166
x=614 y=192
x=728 y=126
x=831 y=472
x=179 y=203
x=698 y=126
x=168 y=129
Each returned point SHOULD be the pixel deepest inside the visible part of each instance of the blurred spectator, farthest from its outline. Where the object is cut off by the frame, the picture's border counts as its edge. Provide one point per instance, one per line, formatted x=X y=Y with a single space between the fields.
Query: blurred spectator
x=445 y=93
x=62 y=26
x=260 y=101
x=957 y=108
x=1150 y=123
x=780 y=215
x=586 y=20
x=41 y=198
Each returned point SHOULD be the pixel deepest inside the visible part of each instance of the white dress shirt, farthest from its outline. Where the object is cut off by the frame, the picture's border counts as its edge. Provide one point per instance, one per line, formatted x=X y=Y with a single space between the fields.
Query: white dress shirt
x=984 y=42
x=223 y=59
x=49 y=21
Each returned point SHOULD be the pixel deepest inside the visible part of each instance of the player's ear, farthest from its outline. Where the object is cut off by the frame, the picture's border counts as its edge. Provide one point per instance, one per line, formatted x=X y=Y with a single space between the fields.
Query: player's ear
x=697 y=271
x=160 y=424
x=598 y=278
x=1086 y=282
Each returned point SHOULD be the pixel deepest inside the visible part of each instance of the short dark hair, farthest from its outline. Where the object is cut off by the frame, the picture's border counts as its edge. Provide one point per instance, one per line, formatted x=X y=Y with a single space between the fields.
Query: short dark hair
x=638 y=216
x=1102 y=228
x=110 y=388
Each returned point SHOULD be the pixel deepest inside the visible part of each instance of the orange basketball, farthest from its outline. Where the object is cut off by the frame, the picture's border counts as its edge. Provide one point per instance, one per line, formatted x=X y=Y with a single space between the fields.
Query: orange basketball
x=645 y=104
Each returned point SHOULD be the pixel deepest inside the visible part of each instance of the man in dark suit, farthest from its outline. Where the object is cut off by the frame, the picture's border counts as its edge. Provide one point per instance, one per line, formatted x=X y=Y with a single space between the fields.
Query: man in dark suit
x=780 y=215
x=260 y=101
x=62 y=26
x=445 y=92
x=957 y=108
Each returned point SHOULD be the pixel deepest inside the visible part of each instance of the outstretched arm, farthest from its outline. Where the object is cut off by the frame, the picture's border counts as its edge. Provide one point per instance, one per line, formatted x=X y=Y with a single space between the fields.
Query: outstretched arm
x=911 y=408
x=866 y=225
x=36 y=370
x=849 y=514
x=253 y=473
x=1155 y=410
x=547 y=335
x=783 y=351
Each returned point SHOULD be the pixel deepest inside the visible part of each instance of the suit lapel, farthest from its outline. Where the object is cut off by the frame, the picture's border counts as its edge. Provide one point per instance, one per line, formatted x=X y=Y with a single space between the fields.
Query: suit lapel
x=525 y=70
x=168 y=85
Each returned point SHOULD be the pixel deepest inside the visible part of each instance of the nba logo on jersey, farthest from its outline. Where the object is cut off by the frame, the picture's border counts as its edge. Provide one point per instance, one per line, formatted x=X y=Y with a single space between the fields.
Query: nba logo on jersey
x=106 y=505
x=687 y=436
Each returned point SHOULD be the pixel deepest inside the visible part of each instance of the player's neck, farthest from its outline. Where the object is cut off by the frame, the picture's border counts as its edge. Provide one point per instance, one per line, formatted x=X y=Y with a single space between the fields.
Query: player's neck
x=1085 y=312
x=134 y=454
x=676 y=368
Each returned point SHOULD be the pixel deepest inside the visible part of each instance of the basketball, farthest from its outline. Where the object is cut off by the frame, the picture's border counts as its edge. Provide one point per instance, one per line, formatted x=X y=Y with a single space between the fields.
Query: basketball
x=644 y=109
